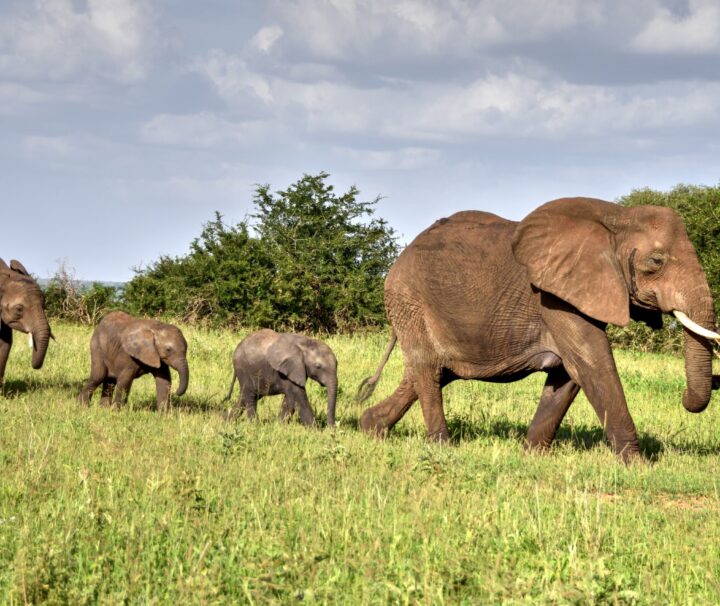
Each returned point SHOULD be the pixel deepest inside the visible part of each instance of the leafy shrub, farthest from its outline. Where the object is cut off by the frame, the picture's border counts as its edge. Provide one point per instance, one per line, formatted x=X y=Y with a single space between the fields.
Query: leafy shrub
x=310 y=263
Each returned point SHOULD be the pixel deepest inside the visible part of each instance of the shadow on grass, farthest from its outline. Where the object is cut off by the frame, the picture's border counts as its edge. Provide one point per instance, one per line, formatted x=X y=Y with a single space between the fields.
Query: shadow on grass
x=18 y=387
x=581 y=437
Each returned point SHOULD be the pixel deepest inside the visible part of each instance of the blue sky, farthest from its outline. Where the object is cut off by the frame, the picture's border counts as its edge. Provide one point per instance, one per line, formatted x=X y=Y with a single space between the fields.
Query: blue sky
x=124 y=124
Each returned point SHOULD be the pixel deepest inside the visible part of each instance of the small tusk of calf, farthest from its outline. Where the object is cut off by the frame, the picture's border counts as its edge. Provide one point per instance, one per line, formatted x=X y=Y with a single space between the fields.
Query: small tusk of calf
x=31 y=342
x=694 y=327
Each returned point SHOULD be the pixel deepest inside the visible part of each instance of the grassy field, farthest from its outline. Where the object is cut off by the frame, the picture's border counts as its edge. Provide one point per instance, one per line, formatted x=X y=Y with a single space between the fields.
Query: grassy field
x=134 y=507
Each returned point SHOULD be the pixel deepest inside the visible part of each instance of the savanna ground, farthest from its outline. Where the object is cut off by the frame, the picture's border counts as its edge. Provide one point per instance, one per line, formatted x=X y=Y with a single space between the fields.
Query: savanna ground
x=134 y=507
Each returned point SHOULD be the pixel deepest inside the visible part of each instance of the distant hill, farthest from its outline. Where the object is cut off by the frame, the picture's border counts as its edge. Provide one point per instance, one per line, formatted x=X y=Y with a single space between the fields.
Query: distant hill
x=85 y=283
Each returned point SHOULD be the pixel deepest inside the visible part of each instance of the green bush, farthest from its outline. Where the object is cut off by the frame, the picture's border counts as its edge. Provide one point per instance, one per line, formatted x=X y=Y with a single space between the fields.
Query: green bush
x=699 y=206
x=313 y=261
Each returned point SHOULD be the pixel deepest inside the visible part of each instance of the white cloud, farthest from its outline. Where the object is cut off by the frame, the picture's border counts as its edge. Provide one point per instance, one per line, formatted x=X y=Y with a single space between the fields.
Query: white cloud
x=696 y=33
x=265 y=38
x=234 y=81
x=509 y=105
x=357 y=29
x=406 y=158
x=51 y=39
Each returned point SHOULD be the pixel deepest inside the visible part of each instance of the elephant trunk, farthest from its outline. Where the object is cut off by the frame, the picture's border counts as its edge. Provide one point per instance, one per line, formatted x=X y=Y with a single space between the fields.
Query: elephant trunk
x=184 y=372
x=41 y=338
x=698 y=358
x=332 y=398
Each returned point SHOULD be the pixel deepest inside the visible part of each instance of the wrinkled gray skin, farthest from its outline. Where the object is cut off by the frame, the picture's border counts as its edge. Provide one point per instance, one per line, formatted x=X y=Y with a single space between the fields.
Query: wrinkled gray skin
x=22 y=309
x=478 y=297
x=268 y=363
x=123 y=348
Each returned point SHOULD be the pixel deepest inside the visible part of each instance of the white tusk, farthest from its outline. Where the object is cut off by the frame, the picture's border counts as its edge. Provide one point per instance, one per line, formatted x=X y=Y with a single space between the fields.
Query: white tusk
x=696 y=328
x=30 y=340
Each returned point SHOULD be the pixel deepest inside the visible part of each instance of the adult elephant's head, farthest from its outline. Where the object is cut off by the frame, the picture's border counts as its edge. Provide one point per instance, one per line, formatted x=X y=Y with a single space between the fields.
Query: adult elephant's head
x=613 y=263
x=156 y=343
x=22 y=307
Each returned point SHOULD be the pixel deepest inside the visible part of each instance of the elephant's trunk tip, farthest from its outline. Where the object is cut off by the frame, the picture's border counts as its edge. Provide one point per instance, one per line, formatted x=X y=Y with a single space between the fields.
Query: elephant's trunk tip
x=694 y=402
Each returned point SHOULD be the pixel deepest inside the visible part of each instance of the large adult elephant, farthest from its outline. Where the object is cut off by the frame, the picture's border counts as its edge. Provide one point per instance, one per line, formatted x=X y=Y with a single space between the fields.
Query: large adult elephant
x=21 y=308
x=475 y=296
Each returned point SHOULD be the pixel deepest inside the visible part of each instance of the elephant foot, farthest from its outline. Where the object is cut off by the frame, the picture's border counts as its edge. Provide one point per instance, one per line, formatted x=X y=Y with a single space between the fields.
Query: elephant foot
x=441 y=436
x=630 y=454
x=370 y=425
x=536 y=445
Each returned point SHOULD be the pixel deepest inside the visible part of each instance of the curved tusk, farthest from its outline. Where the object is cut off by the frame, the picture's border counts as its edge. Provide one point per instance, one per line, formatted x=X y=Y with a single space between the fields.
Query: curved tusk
x=693 y=327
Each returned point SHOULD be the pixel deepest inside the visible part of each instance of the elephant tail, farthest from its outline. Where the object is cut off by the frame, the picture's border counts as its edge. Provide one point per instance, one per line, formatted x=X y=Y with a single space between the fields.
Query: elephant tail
x=232 y=386
x=367 y=387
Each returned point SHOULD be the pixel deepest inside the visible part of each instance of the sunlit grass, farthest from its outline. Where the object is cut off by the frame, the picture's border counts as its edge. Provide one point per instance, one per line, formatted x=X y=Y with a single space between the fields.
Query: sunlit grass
x=133 y=506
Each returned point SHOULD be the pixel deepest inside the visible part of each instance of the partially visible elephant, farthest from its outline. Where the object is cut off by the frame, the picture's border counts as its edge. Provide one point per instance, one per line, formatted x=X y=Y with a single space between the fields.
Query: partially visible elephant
x=476 y=296
x=269 y=363
x=124 y=348
x=22 y=308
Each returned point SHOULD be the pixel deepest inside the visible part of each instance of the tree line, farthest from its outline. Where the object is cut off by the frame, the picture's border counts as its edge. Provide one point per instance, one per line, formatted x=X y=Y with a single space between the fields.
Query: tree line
x=310 y=259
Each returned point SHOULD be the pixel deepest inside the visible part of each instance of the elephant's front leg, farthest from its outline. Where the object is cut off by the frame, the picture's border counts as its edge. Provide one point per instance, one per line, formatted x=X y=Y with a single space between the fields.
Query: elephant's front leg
x=162 y=387
x=588 y=359
x=108 y=388
x=286 y=410
x=5 y=345
x=297 y=398
x=122 y=388
x=559 y=392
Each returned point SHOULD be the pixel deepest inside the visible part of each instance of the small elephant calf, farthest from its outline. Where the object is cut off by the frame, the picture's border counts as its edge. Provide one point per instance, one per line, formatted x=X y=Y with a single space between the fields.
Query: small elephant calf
x=123 y=348
x=268 y=363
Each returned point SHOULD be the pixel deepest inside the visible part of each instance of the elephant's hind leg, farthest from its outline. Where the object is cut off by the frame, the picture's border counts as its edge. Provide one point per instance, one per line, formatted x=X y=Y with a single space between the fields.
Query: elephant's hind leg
x=98 y=374
x=247 y=402
x=429 y=390
x=559 y=392
x=122 y=389
x=380 y=418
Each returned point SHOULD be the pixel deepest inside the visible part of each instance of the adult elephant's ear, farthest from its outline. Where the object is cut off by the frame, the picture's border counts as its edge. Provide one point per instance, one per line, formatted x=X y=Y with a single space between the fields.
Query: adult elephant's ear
x=568 y=248
x=139 y=343
x=287 y=359
x=3 y=266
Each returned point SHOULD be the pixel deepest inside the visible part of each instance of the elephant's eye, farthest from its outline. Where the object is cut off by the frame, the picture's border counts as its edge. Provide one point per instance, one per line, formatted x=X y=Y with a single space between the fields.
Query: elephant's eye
x=19 y=308
x=654 y=263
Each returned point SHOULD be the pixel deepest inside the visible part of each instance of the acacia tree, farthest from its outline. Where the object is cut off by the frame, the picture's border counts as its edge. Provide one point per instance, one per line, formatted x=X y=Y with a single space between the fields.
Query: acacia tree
x=329 y=254
x=312 y=261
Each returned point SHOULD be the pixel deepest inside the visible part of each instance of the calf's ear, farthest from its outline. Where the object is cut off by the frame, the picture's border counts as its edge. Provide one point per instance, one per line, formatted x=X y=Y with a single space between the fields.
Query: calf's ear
x=139 y=343
x=287 y=359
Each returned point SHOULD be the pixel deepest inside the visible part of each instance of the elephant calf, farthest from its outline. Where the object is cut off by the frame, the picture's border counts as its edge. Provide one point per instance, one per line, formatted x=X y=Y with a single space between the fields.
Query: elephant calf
x=123 y=348
x=268 y=363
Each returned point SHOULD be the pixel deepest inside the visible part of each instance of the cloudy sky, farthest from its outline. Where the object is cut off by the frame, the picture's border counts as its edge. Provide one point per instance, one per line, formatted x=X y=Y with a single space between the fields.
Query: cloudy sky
x=124 y=124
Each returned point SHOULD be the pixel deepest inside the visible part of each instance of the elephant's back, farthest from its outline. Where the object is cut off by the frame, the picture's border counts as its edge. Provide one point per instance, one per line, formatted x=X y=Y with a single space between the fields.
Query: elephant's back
x=252 y=349
x=459 y=283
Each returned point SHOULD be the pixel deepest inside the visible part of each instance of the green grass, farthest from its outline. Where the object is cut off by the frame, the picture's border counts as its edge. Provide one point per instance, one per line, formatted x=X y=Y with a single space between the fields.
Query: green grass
x=135 y=507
